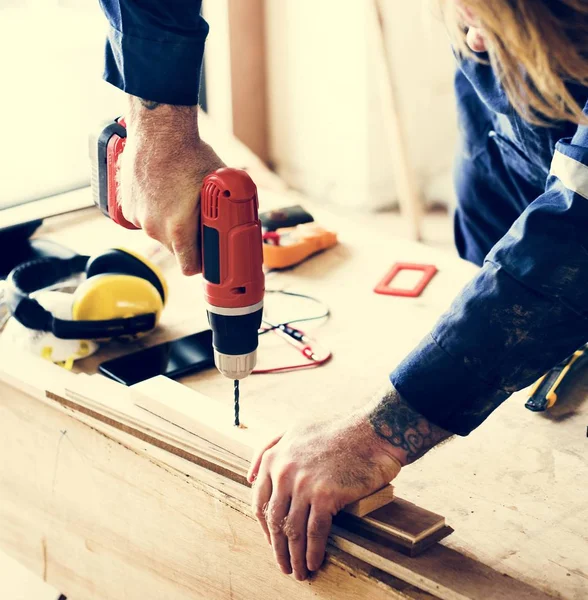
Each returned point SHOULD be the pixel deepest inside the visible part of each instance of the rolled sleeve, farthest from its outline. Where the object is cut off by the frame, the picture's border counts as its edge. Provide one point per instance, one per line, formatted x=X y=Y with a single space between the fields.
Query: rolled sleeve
x=524 y=312
x=154 y=49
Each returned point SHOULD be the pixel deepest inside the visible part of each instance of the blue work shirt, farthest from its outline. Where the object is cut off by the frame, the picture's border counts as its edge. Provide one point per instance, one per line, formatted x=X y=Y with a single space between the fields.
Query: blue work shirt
x=522 y=216
x=155 y=48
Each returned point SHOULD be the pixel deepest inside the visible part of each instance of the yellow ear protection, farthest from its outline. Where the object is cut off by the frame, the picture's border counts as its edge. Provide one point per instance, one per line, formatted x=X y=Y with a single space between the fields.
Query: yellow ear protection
x=123 y=295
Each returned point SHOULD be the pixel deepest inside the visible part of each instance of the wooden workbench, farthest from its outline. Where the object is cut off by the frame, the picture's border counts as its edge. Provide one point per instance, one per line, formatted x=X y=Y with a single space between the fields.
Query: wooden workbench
x=100 y=514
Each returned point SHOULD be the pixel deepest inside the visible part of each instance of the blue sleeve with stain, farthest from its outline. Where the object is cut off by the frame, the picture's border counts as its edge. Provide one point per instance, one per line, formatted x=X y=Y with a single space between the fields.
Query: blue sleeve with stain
x=526 y=310
x=154 y=48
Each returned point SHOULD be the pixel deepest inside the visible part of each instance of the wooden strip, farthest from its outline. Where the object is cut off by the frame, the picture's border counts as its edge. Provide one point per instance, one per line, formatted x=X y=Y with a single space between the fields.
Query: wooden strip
x=410 y=548
x=418 y=548
x=201 y=415
x=365 y=506
x=445 y=573
x=407 y=520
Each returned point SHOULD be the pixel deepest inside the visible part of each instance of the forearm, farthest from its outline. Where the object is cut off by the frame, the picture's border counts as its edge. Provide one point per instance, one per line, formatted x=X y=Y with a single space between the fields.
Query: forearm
x=167 y=138
x=176 y=122
x=409 y=434
x=523 y=313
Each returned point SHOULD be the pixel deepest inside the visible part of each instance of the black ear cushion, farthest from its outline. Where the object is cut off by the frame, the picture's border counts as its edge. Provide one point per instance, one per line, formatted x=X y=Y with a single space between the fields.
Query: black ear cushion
x=119 y=262
x=42 y=272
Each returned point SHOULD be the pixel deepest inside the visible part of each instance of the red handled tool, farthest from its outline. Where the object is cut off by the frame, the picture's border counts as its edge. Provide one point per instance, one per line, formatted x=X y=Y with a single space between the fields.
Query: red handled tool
x=384 y=286
x=232 y=254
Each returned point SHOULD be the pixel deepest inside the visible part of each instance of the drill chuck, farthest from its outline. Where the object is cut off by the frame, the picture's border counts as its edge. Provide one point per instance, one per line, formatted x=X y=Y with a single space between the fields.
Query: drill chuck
x=235 y=338
x=235 y=367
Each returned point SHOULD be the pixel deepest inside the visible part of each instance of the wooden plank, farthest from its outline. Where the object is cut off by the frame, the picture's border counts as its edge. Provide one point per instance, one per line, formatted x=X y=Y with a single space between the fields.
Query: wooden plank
x=423 y=572
x=87 y=488
x=198 y=456
x=367 y=505
x=357 y=567
x=107 y=517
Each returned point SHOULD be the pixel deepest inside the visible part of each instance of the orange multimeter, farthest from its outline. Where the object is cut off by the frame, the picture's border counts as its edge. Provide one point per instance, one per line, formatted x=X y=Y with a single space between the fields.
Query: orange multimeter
x=290 y=246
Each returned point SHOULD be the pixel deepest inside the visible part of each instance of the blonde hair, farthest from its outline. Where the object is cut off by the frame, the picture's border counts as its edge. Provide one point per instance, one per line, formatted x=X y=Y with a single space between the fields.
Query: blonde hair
x=536 y=47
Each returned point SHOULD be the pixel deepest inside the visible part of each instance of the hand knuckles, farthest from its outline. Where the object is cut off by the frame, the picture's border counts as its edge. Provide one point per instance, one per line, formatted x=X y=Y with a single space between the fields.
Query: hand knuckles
x=319 y=527
x=322 y=494
x=259 y=512
x=284 y=471
x=188 y=269
x=267 y=458
x=293 y=531
x=182 y=232
x=181 y=246
x=294 y=536
x=151 y=228
x=274 y=526
x=316 y=534
x=302 y=482
x=281 y=478
x=274 y=522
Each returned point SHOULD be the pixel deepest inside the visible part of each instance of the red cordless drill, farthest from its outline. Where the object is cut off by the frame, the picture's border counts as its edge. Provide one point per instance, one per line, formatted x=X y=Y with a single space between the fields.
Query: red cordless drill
x=232 y=254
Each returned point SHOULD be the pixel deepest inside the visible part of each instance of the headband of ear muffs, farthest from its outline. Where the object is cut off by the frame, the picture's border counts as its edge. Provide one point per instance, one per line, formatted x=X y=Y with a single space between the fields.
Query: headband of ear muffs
x=123 y=295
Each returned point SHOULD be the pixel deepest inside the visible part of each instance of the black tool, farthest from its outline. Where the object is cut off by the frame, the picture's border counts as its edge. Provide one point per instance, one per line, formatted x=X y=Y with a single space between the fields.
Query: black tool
x=284 y=217
x=549 y=388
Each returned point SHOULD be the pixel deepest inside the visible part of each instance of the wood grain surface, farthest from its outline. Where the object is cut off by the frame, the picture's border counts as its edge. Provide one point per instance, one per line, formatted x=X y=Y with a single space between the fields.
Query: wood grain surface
x=515 y=490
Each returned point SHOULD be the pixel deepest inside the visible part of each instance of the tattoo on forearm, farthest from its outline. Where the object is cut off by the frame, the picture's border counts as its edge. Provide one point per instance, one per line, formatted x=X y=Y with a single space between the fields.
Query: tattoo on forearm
x=152 y=105
x=149 y=104
x=396 y=422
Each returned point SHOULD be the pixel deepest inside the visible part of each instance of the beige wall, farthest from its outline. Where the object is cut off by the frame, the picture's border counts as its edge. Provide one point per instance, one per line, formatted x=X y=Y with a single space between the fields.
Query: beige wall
x=53 y=95
x=328 y=122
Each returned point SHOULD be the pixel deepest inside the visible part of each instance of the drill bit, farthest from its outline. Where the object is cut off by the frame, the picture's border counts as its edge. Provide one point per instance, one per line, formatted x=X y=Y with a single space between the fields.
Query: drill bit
x=236 y=386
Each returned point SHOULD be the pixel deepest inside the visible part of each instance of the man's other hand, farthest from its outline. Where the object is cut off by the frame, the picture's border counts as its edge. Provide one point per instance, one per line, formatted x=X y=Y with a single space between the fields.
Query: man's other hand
x=305 y=477
x=162 y=168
